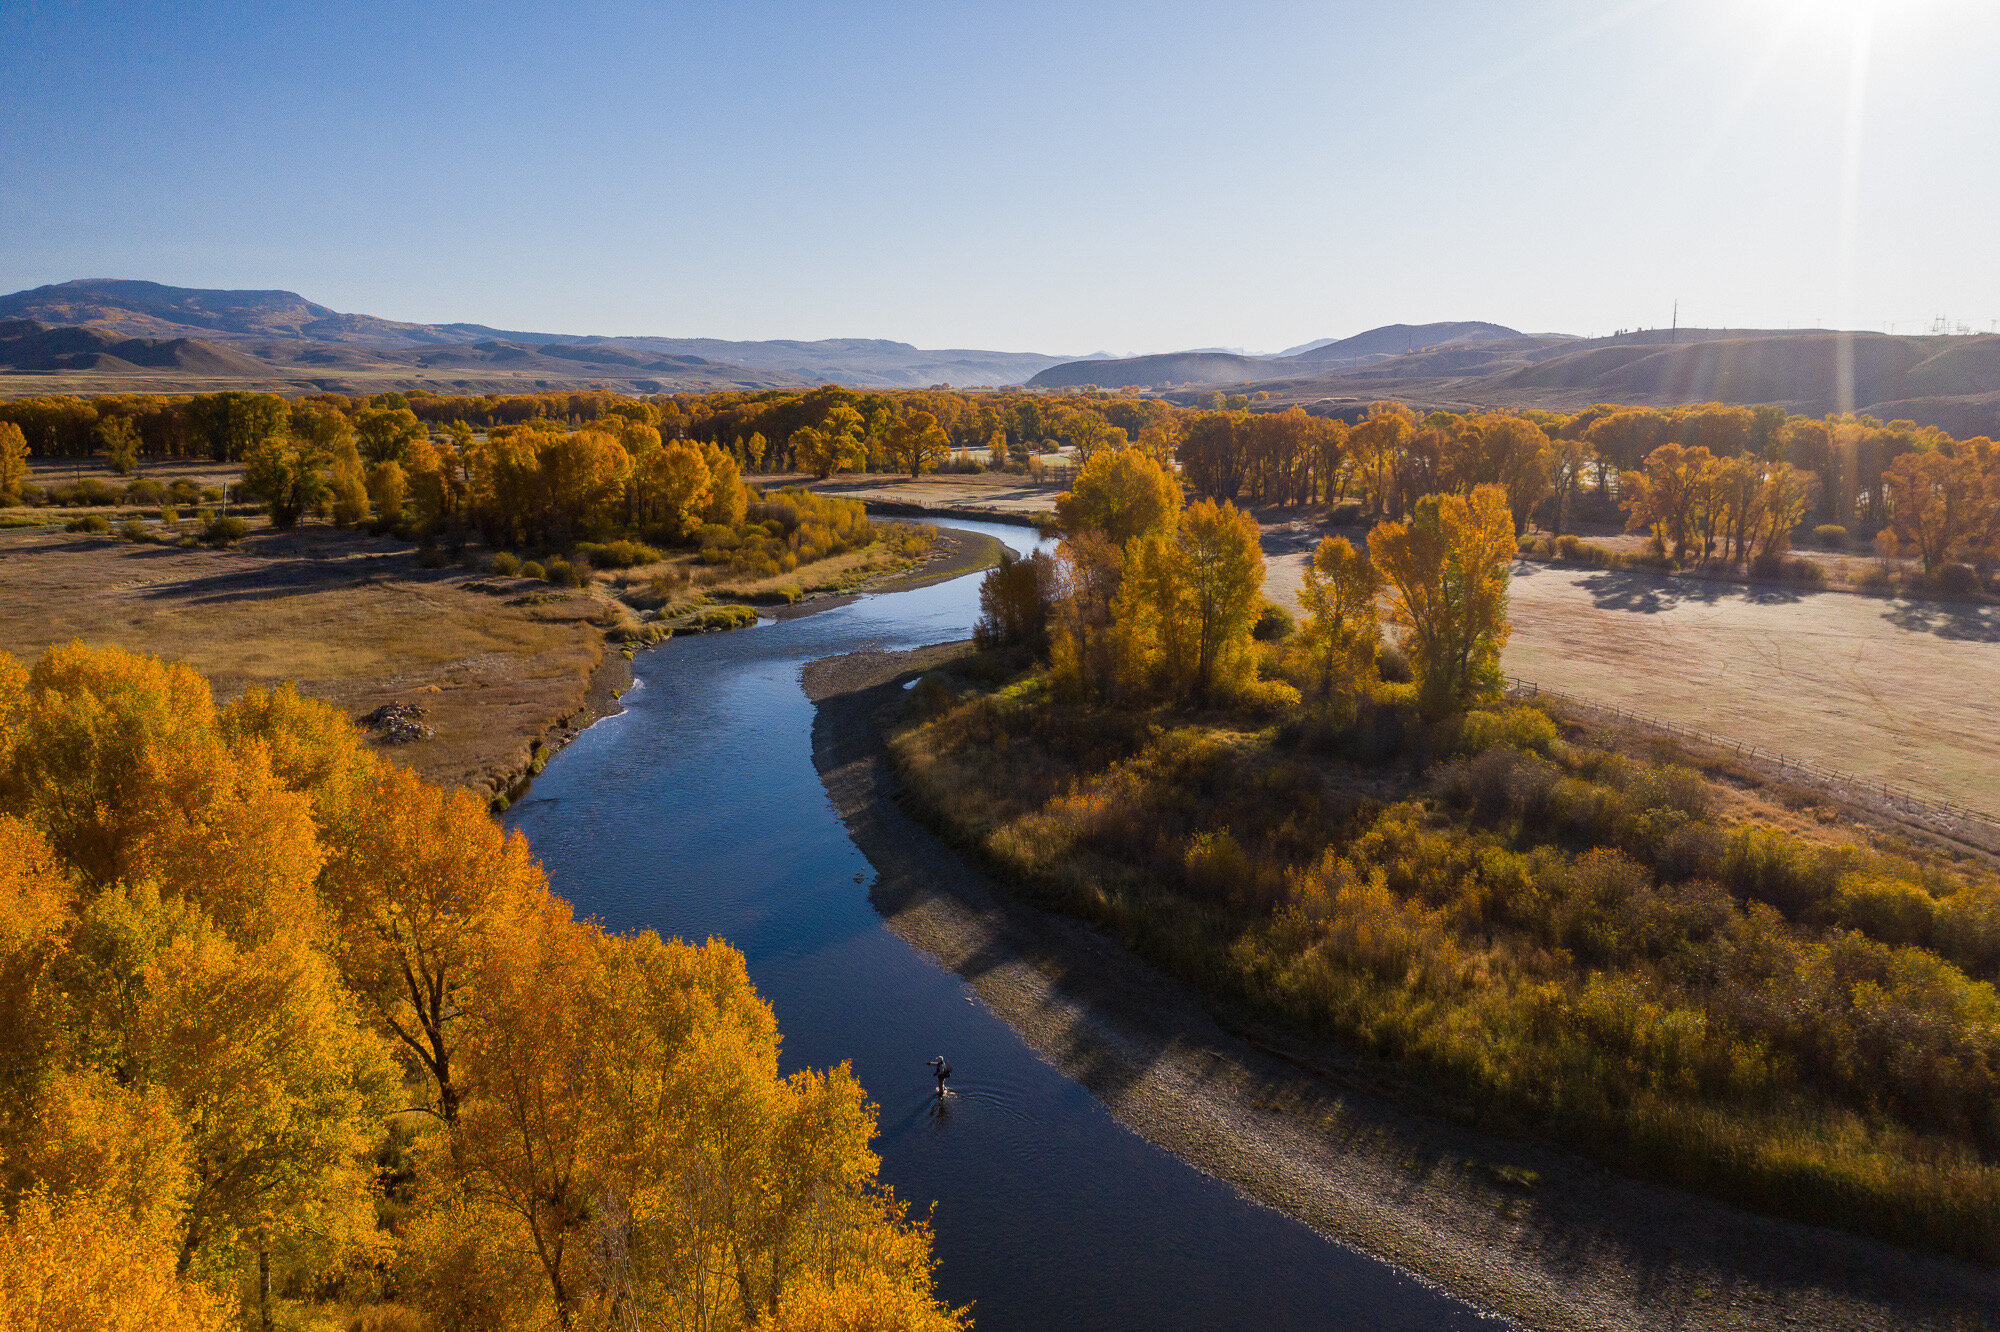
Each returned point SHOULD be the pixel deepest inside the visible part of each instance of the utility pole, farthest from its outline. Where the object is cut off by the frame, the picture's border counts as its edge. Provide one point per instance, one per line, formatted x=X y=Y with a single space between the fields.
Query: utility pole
x=1675 y=336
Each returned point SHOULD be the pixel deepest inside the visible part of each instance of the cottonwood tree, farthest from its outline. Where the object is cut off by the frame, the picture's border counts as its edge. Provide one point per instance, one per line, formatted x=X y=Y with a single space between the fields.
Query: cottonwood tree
x=419 y=895
x=1570 y=460
x=1124 y=495
x=289 y=476
x=1666 y=496
x=13 y=459
x=118 y=441
x=1447 y=570
x=917 y=443
x=1941 y=503
x=835 y=443
x=1336 y=646
x=1187 y=604
x=386 y=433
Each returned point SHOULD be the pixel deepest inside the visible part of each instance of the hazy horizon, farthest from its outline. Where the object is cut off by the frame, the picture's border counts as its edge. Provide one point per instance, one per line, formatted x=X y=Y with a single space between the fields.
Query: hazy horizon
x=1126 y=178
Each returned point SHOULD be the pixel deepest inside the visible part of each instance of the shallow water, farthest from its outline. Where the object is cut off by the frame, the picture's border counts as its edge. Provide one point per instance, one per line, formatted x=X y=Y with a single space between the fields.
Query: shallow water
x=698 y=812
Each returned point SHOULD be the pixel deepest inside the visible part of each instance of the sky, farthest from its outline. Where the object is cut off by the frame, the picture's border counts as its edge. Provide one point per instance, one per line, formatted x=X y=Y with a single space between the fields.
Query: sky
x=1057 y=177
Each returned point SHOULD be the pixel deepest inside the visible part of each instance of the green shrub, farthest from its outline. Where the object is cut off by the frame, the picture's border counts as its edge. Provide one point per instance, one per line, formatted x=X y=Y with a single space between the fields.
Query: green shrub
x=1347 y=513
x=430 y=557
x=1876 y=581
x=1274 y=624
x=561 y=573
x=91 y=491
x=618 y=554
x=220 y=531
x=1791 y=570
x=146 y=492
x=1955 y=580
x=1569 y=547
x=717 y=618
x=1521 y=727
x=1830 y=536
x=31 y=494
x=505 y=563
x=135 y=530
x=187 y=543
x=169 y=514
x=533 y=570
x=93 y=523
x=1392 y=665
x=185 y=491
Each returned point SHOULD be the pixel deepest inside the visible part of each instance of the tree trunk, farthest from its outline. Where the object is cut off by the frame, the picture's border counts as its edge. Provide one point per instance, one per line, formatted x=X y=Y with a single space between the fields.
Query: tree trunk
x=263 y=1281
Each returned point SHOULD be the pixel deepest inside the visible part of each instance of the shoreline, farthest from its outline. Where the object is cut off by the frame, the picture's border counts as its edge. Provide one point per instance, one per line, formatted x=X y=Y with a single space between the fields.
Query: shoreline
x=958 y=553
x=1516 y=1227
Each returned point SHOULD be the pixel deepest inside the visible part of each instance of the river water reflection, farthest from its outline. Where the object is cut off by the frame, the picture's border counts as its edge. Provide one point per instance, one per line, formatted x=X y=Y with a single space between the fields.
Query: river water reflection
x=698 y=812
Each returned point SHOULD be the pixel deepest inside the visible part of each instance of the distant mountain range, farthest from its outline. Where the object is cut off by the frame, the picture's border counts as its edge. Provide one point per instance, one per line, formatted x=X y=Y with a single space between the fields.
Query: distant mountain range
x=284 y=336
x=103 y=335
x=1952 y=382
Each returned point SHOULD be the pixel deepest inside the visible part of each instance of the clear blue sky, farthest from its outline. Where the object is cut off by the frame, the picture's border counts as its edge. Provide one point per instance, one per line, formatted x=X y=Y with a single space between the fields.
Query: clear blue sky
x=1058 y=177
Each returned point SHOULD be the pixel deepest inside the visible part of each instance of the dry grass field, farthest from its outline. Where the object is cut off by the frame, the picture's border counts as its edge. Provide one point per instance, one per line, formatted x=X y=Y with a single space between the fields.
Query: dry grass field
x=349 y=618
x=992 y=492
x=1906 y=692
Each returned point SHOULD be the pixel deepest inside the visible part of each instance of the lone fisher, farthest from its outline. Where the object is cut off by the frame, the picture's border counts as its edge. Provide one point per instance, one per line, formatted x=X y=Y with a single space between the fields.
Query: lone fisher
x=940 y=1069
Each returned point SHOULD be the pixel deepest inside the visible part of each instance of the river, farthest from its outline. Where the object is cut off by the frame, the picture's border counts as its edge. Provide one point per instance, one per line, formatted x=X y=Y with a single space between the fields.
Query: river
x=697 y=812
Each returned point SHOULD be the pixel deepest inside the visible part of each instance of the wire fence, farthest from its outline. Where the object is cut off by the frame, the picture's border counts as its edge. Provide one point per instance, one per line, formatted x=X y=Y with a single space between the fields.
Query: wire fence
x=1972 y=826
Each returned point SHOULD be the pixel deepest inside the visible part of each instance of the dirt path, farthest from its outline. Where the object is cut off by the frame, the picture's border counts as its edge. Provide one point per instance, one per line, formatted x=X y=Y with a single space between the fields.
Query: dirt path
x=1524 y=1230
x=1899 y=691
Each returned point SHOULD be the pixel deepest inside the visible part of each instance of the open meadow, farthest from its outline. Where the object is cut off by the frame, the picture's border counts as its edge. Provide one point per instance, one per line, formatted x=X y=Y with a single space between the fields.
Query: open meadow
x=349 y=618
x=1883 y=689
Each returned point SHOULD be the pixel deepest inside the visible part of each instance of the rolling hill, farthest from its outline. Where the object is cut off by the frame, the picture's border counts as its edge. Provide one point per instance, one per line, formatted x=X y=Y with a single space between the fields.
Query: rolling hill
x=148 y=310
x=1952 y=382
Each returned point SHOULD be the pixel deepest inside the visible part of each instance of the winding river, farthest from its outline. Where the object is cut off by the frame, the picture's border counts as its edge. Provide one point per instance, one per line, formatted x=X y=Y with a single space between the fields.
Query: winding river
x=697 y=812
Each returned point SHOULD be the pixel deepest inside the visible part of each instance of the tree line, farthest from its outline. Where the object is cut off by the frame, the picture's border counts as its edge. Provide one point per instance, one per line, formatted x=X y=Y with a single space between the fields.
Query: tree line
x=1338 y=823
x=282 y=1020
x=1712 y=483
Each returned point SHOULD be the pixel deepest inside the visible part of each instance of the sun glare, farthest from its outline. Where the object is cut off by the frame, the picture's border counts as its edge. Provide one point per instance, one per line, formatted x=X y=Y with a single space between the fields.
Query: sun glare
x=1844 y=13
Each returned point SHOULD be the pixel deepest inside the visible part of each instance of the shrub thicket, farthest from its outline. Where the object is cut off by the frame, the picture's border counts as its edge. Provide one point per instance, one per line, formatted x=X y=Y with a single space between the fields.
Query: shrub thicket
x=1558 y=936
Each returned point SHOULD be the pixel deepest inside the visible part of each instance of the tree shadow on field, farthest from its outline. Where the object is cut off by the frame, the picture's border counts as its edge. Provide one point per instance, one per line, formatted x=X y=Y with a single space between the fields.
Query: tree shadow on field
x=1960 y=621
x=1649 y=594
x=291 y=577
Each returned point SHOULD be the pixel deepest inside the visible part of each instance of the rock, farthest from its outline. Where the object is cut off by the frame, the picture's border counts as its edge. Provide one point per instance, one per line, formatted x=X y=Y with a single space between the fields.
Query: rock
x=397 y=723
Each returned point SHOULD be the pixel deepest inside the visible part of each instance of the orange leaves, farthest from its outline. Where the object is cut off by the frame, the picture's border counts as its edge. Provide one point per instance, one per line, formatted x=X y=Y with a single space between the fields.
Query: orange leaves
x=197 y=908
x=416 y=896
x=83 y=1265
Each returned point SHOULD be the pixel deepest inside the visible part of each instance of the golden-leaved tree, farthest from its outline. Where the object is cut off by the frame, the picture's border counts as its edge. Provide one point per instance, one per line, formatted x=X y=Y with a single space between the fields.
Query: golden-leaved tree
x=1124 y=495
x=1334 y=652
x=1187 y=603
x=217 y=929
x=1447 y=571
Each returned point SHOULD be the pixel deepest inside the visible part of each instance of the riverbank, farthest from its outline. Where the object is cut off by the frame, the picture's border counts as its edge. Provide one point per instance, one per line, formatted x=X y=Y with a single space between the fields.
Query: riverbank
x=955 y=554
x=1519 y=1228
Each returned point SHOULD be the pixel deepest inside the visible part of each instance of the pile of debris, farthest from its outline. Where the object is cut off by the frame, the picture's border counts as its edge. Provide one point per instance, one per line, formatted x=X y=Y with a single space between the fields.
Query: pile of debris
x=397 y=724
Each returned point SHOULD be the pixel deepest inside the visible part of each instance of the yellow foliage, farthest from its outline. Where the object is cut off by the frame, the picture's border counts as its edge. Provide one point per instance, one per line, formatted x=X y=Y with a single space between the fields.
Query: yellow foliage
x=91 y=718
x=1447 y=571
x=416 y=895
x=1123 y=494
x=85 y=1266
